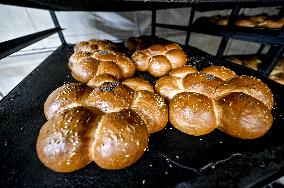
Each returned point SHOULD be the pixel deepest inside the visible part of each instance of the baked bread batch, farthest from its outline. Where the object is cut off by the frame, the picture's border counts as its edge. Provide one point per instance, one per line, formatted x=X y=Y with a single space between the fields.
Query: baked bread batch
x=251 y=21
x=253 y=62
x=107 y=118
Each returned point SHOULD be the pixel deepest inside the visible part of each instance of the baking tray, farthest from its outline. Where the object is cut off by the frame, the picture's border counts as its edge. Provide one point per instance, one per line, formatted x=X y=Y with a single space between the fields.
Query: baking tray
x=256 y=34
x=173 y=158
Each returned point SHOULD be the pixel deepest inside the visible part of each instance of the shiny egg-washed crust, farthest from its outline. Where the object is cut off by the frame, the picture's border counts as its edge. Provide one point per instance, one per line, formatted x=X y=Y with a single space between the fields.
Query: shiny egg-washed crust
x=219 y=71
x=119 y=140
x=109 y=124
x=138 y=84
x=188 y=79
x=66 y=96
x=243 y=116
x=112 y=97
x=202 y=83
x=151 y=108
x=115 y=96
x=249 y=85
x=77 y=136
x=93 y=45
x=216 y=97
x=181 y=72
x=192 y=113
x=159 y=59
x=85 y=66
x=100 y=79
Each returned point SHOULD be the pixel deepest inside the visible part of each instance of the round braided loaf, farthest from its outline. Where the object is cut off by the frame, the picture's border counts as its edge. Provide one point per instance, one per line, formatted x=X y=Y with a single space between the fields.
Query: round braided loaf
x=216 y=97
x=159 y=59
x=86 y=65
x=108 y=124
x=93 y=45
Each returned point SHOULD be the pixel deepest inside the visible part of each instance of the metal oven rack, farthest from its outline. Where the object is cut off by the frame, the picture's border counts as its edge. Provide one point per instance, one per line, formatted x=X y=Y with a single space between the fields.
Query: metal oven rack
x=173 y=159
x=263 y=36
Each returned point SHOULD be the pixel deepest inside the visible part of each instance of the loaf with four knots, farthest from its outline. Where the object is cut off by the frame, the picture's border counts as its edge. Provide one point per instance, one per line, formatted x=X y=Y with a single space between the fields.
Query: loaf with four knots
x=142 y=42
x=94 y=45
x=108 y=124
x=86 y=65
x=216 y=97
x=159 y=59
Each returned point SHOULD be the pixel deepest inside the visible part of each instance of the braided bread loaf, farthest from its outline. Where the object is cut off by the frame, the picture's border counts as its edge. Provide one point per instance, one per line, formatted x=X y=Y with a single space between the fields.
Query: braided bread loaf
x=93 y=45
x=109 y=125
x=141 y=42
x=216 y=97
x=160 y=59
x=86 y=65
x=251 y=21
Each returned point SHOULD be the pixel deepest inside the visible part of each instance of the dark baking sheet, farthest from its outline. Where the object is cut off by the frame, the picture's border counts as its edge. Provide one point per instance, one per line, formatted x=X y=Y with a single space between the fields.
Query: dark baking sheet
x=173 y=159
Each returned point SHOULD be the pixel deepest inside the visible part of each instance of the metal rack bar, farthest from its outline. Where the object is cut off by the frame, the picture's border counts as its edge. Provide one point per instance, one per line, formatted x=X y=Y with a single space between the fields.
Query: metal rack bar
x=260 y=49
x=189 y=27
x=245 y=34
x=14 y=45
x=222 y=47
x=270 y=60
x=56 y=24
x=224 y=41
x=153 y=22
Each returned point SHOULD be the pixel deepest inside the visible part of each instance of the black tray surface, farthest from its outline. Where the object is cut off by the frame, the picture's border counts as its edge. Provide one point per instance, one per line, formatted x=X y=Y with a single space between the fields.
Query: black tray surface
x=133 y=5
x=173 y=158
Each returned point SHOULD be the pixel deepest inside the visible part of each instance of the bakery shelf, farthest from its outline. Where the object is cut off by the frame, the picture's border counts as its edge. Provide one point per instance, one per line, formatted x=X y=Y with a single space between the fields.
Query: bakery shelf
x=134 y=5
x=173 y=159
x=14 y=45
x=259 y=35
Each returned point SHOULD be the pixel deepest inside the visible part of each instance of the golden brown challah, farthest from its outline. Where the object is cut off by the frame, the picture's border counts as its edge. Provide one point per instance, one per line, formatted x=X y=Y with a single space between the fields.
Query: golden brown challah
x=159 y=59
x=109 y=125
x=93 y=45
x=141 y=42
x=251 y=21
x=277 y=73
x=216 y=97
x=86 y=65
